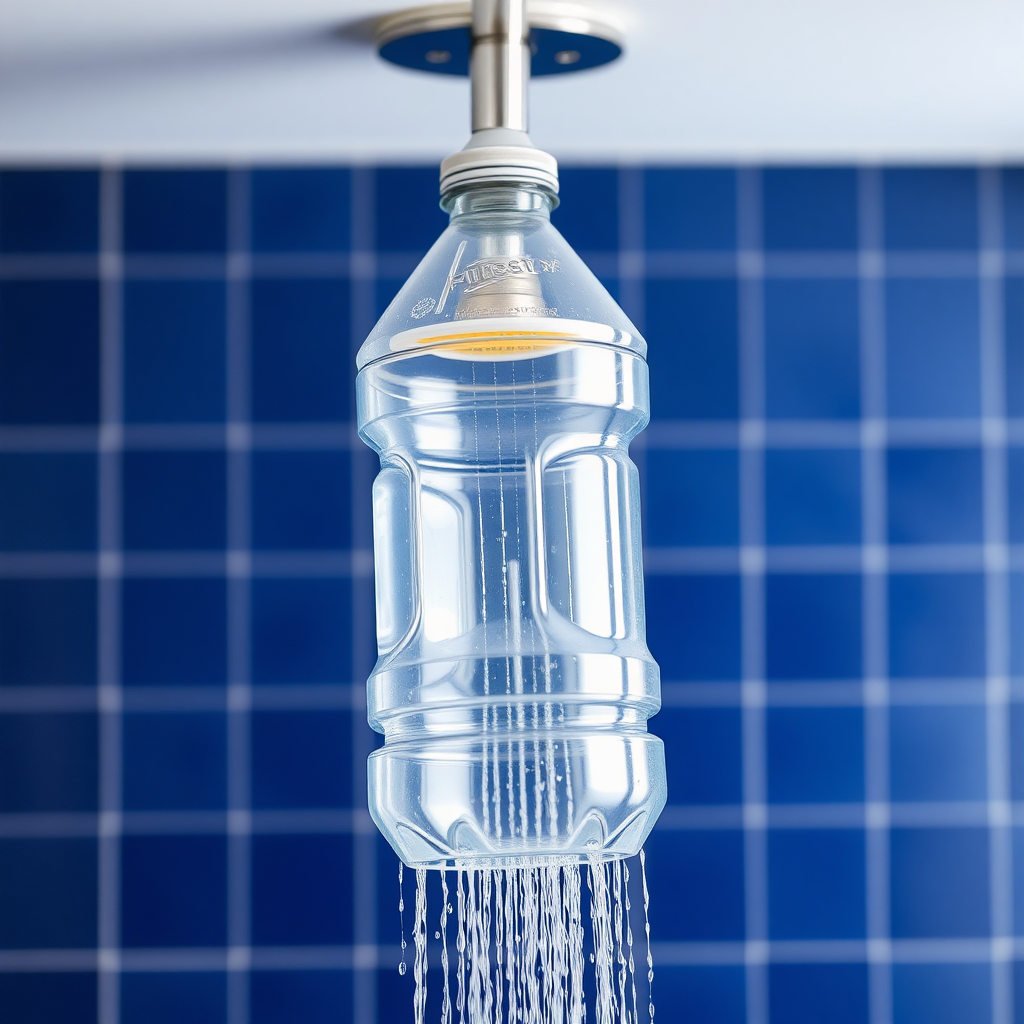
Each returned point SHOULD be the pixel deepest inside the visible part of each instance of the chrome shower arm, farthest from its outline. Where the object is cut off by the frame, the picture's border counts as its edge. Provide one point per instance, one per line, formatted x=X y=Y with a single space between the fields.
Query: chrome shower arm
x=500 y=64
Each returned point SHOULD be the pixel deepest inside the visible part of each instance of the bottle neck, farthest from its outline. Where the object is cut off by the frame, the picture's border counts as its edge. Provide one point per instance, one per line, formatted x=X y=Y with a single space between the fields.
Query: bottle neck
x=500 y=198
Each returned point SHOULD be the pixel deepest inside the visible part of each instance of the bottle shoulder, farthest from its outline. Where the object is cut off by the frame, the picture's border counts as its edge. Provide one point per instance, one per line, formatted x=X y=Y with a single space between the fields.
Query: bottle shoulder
x=506 y=281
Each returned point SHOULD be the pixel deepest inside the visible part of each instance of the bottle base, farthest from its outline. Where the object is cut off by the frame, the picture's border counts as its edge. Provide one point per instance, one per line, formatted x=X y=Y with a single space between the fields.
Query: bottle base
x=518 y=800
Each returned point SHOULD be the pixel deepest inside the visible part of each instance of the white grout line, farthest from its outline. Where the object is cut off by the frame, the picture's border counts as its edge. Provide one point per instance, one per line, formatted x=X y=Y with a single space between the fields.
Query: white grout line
x=357 y=563
x=997 y=611
x=362 y=470
x=239 y=688
x=663 y=433
x=109 y=609
x=877 y=558
x=751 y=385
x=636 y=263
x=631 y=257
x=357 y=822
x=365 y=959
x=777 y=693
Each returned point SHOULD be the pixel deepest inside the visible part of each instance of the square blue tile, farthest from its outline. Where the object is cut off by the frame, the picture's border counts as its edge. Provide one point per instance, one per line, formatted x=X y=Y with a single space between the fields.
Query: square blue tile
x=812 y=496
x=707 y=993
x=174 y=761
x=1013 y=333
x=32 y=612
x=300 y=209
x=174 y=500
x=301 y=358
x=48 y=762
x=301 y=631
x=49 y=352
x=1018 y=989
x=692 y=497
x=1016 y=617
x=1015 y=494
x=934 y=495
x=395 y=995
x=938 y=753
x=692 y=327
x=815 y=755
x=408 y=217
x=301 y=500
x=1017 y=755
x=48 y=893
x=175 y=211
x=301 y=890
x=812 y=348
x=1017 y=841
x=690 y=208
x=933 y=361
x=613 y=285
x=390 y=919
x=816 y=883
x=48 y=997
x=931 y=207
x=810 y=209
x=1013 y=207
x=313 y=997
x=944 y=993
x=172 y=997
x=813 y=625
x=939 y=883
x=699 y=878
x=936 y=625
x=173 y=890
x=815 y=993
x=175 y=339
x=703 y=753
x=50 y=501
x=693 y=626
x=588 y=213
x=174 y=631
x=385 y=290
x=49 y=211
x=302 y=759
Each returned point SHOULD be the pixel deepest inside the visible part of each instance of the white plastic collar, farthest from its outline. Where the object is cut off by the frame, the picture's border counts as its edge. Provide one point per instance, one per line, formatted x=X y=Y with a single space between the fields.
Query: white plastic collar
x=499 y=163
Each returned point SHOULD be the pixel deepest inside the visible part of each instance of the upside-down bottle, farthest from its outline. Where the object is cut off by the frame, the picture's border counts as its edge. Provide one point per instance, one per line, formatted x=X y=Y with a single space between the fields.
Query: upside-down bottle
x=501 y=389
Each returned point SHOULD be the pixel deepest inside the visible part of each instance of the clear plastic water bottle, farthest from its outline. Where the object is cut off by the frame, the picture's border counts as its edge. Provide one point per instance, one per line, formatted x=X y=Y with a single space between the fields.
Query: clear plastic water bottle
x=501 y=389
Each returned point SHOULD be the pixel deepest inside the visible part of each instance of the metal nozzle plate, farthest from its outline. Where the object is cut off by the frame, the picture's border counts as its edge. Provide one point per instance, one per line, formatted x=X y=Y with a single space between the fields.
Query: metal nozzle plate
x=563 y=37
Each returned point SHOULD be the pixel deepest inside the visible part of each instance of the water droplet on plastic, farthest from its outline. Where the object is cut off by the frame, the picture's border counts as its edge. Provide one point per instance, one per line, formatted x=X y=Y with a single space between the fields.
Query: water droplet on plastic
x=402 y=967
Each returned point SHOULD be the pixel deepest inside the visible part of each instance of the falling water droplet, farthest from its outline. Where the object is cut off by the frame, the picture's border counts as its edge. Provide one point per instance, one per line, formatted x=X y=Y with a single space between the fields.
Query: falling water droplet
x=402 y=967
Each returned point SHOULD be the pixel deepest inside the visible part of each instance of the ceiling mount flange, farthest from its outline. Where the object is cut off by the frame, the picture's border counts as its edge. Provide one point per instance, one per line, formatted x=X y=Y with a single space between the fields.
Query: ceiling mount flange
x=563 y=37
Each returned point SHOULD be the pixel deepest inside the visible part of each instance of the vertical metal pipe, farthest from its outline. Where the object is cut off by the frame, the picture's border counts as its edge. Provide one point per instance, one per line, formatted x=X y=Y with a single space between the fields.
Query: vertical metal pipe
x=500 y=64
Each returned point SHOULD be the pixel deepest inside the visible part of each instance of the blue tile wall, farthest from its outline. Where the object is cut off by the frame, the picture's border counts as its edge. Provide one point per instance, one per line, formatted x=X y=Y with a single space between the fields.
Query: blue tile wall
x=834 y=527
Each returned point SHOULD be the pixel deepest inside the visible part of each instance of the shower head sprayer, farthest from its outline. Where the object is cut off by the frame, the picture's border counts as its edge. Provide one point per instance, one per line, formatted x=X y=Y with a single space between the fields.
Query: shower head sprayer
x=501 y=389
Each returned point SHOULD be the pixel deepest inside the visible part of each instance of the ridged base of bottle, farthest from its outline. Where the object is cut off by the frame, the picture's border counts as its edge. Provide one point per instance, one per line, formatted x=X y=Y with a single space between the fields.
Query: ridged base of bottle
x=518 y=799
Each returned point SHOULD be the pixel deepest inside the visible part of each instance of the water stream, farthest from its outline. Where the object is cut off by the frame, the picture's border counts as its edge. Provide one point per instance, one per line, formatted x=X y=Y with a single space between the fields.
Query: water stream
x=549 y=944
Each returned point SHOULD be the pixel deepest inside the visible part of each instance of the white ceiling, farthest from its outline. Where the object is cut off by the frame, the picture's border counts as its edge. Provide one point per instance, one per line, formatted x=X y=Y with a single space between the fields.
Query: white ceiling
x=701 y=79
